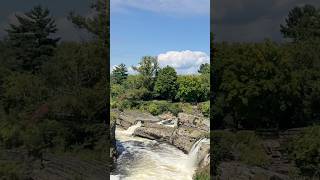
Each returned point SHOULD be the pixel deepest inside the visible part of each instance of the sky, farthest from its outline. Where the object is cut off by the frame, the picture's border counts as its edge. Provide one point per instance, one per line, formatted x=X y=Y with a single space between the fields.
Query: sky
x=59 y=10
x=251 y=20
x=175 y=31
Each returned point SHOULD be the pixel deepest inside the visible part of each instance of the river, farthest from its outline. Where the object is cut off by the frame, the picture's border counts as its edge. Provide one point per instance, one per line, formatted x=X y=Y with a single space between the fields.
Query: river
x=144 y=159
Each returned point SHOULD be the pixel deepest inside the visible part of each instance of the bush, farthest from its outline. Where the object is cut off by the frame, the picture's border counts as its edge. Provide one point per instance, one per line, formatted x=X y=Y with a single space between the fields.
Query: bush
x=250 y=149
x=304 y=150
x=159 y=107
x=117 y=90
x=205 y=108
x=242 y=146
x=137 y=94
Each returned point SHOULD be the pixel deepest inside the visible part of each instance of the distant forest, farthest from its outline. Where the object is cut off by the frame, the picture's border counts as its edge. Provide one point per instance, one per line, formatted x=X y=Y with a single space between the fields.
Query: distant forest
x=52 y=92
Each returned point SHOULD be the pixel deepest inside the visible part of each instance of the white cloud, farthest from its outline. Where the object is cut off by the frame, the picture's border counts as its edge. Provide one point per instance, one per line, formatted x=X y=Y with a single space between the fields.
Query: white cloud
x=131 y=71
x=185 y=62
x=171 y=7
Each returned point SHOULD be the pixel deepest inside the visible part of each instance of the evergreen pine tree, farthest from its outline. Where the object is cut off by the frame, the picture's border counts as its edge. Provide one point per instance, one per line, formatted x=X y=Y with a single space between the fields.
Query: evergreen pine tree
x=31 y=39
x=119 y=74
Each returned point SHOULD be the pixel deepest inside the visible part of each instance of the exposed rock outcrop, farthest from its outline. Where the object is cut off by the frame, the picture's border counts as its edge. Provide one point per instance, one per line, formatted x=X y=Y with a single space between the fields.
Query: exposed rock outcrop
x=155 y=132
x=184 y=137
x=182 y=131
x=128 y=118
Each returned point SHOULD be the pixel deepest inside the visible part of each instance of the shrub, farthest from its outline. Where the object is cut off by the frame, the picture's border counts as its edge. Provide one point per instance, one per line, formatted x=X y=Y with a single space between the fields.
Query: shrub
x=205 y=108
x=305 y=151
x=250 y=149
x=243 y=146
x=117 y=90
x=137 y=94
x=159 y=107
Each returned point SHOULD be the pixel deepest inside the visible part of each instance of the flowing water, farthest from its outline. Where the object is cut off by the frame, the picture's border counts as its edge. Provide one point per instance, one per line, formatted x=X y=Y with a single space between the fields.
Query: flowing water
x=144 y=159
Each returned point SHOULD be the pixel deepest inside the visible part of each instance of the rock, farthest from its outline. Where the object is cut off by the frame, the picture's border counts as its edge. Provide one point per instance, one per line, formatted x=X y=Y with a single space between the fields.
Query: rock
x=205 y=161
x=184 y=137
x=167 y=116
x=193 y=121
x=186 y=119
x=113 y=147
x=155 y=132
x=130 y=117
x=204 y=154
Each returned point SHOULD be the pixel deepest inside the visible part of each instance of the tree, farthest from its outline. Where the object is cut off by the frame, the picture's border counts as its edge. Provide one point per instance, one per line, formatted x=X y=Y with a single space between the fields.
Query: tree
x=166 y=84
x=98 y=25
x=191 y=89
x=119 y=74
x=148 y=68
x=204 y=68
x=32 y=38
x=302 y=23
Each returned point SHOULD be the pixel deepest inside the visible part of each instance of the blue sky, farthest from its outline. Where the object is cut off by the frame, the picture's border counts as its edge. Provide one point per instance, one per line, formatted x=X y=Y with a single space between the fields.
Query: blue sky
x=177 y=31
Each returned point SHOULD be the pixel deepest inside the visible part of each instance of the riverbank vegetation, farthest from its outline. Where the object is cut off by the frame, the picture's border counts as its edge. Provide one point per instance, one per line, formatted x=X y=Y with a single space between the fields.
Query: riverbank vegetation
x=52 y=92
x=158 y=90
x=270 y=85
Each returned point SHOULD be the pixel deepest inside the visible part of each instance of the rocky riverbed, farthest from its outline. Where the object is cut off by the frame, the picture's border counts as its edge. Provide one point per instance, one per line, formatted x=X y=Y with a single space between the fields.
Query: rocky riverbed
x=166 y=133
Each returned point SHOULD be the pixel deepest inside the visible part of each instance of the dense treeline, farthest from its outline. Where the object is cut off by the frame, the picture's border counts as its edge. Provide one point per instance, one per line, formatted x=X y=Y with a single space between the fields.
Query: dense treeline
x=161 y=85
x=52 y=93
x=269 y=84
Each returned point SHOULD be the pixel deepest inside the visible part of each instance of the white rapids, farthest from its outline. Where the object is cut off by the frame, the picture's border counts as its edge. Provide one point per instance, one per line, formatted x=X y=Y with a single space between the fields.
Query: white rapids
x=144 y=159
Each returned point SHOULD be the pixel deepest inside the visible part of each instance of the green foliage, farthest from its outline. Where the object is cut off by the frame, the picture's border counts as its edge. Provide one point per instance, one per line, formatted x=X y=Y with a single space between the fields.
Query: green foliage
x=98 y=25
x=205 y=108
x=166 y=84
x=305 y=152
x=302 y=23
x=266 y=84
x=22 y=92
x=243 y=146
x=11 y=170
x=138 y=94
x=204 y=69
x=159 y=107
x=117 y=90
x=148 y=69
x=193 y=88
x=251 y=149
x=119 y=74
x=31 y=39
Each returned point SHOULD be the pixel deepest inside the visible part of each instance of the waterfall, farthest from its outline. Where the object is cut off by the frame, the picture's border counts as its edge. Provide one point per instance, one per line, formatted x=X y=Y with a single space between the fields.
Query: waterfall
x=132 y=128
x=193 y=154
x=145 y=159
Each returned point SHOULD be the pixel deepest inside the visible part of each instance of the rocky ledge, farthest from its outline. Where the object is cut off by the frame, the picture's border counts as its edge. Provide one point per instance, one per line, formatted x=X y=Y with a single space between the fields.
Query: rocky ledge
x=182 y=131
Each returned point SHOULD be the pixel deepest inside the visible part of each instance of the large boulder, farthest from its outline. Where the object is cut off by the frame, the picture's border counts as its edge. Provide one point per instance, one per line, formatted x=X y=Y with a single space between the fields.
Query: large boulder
x=155 y=132
x=189 y=120
x=184 y=137
x=128 y=118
